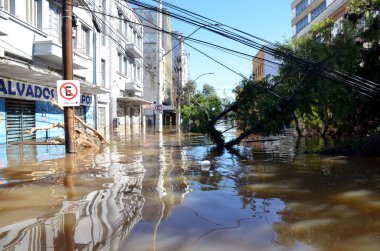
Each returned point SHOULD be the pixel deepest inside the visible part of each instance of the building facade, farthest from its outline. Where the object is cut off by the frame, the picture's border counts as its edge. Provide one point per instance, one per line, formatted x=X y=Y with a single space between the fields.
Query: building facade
x=264 y=64
x=151 y=88
x=121 y=63
x=107 y=61
x=180 y=71
x=307 y=12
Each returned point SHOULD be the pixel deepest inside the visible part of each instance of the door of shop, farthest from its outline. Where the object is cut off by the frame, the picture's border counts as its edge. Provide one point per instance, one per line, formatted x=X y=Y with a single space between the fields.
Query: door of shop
x=101 y=118
x=20 y=119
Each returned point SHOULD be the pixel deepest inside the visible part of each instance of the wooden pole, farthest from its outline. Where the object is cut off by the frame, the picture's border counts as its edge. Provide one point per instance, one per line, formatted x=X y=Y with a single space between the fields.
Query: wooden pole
x=67 y=55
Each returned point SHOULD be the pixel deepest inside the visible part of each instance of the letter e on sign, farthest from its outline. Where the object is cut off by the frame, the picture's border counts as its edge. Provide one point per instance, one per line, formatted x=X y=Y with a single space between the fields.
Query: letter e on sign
x=68 y=92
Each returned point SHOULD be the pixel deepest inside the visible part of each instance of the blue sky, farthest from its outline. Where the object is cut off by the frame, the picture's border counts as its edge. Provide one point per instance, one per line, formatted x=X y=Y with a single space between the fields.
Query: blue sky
x=268 y=19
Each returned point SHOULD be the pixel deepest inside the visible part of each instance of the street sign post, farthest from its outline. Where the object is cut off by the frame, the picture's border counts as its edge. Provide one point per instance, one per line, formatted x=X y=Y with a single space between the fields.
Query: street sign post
x=158 y=109
x=68 y=93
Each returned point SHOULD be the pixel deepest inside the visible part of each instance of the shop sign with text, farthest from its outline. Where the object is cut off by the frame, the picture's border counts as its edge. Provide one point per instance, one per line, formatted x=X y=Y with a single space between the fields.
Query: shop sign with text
x=21 y=90
x=16 y=89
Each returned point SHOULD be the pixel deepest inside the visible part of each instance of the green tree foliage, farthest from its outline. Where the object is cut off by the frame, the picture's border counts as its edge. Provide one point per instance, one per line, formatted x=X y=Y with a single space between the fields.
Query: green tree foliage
x=201 y=109
x=208 y=90
x=308 y=94
x=300 y=93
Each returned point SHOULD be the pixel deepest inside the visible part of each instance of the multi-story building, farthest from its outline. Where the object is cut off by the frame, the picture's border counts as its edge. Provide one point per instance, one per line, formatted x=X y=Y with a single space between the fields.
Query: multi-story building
x=264 y=64
x=121 y=62
x=307 y=12
x=180 y=71
x=151 y=89
x=108 y=64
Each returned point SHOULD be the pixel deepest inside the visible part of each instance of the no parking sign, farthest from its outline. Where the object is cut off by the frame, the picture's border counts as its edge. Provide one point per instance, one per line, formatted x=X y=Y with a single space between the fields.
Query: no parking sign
x=158 y=109
x=68 y=92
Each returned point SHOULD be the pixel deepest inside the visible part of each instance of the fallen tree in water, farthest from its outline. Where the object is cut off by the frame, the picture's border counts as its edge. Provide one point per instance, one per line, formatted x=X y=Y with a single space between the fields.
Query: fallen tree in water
x=84 y=139
x=325 y=85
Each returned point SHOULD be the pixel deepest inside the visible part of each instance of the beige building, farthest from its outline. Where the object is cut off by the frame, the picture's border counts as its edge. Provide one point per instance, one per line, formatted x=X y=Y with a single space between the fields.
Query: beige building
x=307 y=12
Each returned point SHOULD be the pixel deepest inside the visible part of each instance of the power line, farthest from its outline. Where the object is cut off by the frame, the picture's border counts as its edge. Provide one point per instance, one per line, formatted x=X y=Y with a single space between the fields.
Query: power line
x=318 y=67
x=357 y=83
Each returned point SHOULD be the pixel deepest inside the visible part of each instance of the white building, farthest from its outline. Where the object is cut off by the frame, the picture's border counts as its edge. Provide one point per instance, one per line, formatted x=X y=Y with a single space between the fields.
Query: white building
x=121 y=62
x=107 y=64
x=180 y=70
x=307 y=12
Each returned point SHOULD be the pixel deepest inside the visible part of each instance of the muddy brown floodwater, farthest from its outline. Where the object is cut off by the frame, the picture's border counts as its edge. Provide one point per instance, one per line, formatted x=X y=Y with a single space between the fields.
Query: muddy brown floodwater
x=149 y=192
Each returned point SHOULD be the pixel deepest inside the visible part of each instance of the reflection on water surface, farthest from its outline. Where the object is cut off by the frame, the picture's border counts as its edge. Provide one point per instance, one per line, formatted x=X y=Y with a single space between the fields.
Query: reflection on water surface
x=148 y=192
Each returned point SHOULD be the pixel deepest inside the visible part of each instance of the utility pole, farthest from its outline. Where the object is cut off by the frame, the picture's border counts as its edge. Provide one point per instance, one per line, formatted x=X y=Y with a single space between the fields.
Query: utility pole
x=158 y=122
x=67 y=55
x=180 y=81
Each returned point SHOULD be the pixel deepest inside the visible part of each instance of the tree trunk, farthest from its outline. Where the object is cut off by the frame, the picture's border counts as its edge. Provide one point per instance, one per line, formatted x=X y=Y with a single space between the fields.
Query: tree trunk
x=297 y=124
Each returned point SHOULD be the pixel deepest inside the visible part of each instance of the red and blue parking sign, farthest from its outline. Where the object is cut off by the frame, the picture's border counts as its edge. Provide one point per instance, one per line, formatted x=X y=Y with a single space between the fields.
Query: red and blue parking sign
x=68 y=92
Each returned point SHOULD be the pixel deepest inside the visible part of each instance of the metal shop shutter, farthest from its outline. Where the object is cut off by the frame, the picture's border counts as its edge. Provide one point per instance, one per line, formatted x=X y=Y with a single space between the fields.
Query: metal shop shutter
x=20 y=119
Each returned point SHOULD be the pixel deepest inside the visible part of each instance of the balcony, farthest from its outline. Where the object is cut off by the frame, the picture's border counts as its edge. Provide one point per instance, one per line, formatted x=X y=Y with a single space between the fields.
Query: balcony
x=133 y=85
x=51 y=52
x=134 y=50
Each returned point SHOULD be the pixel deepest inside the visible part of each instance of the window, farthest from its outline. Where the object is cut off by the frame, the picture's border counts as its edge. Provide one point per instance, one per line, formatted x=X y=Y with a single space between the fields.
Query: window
x=125 y=61
x=133 y=71
x=103 y=72
x=139 y=42
x=139 y=73
x=318 y=10
x=134 y=40
x=9 y=6
x=301 y=7
x=120 y=60
x=130 y=38
x=85 y=40
x=54 y=21
x=33 y=12
x=121 y=20
x=75 y=38
x=125 y=28
x=302 y=24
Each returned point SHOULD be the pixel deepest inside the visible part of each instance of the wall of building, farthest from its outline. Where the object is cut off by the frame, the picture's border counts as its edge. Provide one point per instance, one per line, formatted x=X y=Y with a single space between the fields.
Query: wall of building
x=264 y=64
x=271 y=68
x=124 y=66
x=258 y=65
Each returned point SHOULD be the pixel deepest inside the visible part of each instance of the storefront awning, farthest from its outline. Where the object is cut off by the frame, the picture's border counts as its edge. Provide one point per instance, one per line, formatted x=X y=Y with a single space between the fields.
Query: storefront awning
x=133 y=100
x=28 y=73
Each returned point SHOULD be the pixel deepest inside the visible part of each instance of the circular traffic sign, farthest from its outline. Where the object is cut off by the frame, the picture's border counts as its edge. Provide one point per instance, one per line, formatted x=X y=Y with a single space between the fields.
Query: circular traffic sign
x=158 y=108
x=68 y=91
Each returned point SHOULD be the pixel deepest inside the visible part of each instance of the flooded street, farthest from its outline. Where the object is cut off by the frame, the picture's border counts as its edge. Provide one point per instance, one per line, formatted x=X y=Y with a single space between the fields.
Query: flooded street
x=150 y=192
